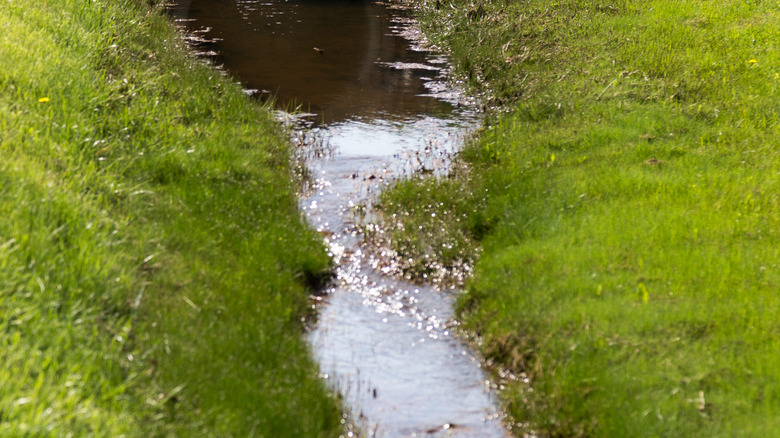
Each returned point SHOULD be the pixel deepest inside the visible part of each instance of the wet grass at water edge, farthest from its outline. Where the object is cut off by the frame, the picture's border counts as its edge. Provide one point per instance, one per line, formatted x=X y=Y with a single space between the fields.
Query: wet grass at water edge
x=154 y=263
x=627 y=207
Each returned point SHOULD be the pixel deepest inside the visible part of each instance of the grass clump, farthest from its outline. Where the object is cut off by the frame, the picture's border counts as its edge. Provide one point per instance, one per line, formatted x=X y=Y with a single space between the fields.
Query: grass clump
x=430 y=227
x=627 y=210
x=153 y=262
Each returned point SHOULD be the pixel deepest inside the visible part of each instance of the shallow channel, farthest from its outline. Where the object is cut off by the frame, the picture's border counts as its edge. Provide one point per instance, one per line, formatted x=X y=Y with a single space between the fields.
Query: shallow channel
x=378 y=107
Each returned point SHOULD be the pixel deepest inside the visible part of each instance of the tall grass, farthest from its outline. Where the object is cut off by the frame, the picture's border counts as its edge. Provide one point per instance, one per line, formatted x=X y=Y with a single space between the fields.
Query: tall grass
x=154 y=266
x=626 y=201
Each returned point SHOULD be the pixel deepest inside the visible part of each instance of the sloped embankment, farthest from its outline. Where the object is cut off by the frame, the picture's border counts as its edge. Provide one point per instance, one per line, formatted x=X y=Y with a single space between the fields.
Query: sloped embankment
x=626 y=201
x=152 y=258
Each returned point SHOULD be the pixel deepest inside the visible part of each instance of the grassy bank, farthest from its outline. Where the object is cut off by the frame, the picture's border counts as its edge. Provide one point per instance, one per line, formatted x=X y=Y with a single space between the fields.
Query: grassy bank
x=627 y=204
x=153 y=263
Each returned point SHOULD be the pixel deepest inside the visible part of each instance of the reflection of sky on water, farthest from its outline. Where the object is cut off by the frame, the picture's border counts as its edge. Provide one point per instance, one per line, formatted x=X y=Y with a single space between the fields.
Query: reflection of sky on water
x=387 y=344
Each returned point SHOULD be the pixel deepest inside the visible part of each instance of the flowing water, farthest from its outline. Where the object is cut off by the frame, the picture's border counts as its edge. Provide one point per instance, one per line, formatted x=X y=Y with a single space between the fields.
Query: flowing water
x=377 y=107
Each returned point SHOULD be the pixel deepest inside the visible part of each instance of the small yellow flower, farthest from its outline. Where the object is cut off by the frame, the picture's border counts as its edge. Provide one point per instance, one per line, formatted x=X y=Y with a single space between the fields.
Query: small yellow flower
x=43 y=99
x=752 y=61
x=643 y=294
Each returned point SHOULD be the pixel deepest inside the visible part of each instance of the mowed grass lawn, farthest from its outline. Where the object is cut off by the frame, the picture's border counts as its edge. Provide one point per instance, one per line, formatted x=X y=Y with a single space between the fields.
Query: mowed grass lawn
x=153 y=263
x=627 y=199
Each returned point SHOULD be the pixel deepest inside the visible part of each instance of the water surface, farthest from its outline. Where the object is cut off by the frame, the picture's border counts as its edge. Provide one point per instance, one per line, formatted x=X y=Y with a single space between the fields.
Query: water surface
x=380 y=108
x=340 y=59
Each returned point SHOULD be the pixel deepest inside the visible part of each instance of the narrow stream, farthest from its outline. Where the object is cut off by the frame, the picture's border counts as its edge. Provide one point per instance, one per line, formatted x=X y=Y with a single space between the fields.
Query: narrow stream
x=378 y=107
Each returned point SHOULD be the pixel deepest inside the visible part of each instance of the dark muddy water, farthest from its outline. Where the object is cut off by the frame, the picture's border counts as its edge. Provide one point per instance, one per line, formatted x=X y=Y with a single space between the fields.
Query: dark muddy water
x=338 y=59
x=380 y=108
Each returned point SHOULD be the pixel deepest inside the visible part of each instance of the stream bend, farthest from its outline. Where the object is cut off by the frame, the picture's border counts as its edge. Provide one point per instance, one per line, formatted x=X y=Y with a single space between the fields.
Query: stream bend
x=378 y=106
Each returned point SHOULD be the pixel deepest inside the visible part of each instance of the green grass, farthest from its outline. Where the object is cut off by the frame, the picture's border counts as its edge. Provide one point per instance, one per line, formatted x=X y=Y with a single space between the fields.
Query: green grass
x=153 y=263
x=625 y=194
